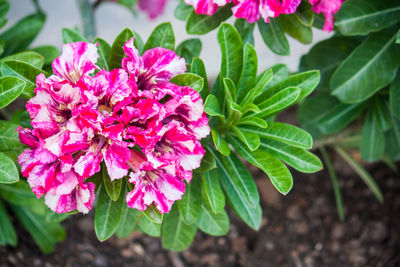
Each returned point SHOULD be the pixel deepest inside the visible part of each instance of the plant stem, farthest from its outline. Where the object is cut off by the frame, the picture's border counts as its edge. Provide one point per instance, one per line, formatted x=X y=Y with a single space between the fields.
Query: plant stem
x=37 y=6
x=87 y=14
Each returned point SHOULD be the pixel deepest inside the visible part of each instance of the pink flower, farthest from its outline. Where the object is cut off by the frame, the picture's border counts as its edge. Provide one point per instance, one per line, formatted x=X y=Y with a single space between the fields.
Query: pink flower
x=154 y=8
x=206 y=7
x=328 y=8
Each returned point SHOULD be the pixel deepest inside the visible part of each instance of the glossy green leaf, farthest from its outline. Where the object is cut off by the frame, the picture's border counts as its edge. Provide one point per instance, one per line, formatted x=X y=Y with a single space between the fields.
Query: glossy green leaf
x=277 y=172
x=107 y=215
x=306 y=81
x=153 y=214
x=190 y=204
x=194 y=81
x=296 y=29
x=113 y=188
x=304 y=14
x=72 y=36
x=327 y=55
x=128 y=221
x=220 y=144
x=249 y=72
x=370 y=67
x=253 y=121
x=176 y=235
x=339 y=117
x=278 y=102
x=7 y=231
x=380 y=109
x=48 y=52
x=10 y=89
x=45 y=234
x=4 y=8
x=256 y=90
x=8 y=171
x=53 y=217
x=365 y=176
x=117 y=51
x=162 y=36
x=212 y=107
x=9 y=137
x=283 y=132
x=392 y=140
x=20 y=36
x=360 y=17
x=19 y=193
x=149 y=227
x=24 y=72
x=189 y=49
x=372 y=139
x=298 y=158
x=245 y=30
x=394 y=96
x=207 y=163
x=182 y=11
x=29 y=57
x=104 y=50
x=237 y=197
x=197 y=67
x=212 y=191
x=274 y=36
x=202 y=24
x=215 y=224
x=252 y=140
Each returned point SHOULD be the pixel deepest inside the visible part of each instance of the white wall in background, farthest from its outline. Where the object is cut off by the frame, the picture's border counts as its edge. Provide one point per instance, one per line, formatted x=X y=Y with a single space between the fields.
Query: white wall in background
x=112 y=19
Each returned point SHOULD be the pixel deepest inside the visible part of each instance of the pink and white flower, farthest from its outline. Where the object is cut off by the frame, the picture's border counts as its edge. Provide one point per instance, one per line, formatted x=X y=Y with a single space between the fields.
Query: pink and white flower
x=328 y=8
x=154 y=8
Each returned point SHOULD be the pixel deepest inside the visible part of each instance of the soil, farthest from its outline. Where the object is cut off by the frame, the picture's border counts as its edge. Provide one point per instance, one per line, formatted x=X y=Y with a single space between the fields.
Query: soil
x=301 y=229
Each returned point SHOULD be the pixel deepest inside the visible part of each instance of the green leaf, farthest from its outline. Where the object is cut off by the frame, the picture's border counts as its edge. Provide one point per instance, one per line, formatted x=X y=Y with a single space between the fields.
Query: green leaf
x=113 y=188
x=128 y=221
x=232 y=52
x=306 y=81
x=212 y=191
x=220 y=144
x=295 y=28
x=392 y=139
x=237 y=197
x=107 y=215
x=254 y=121
x=274 y=36
x=53 y=217
x=45 y=234
x=176 y=235
x=182 y=11
x=380 y=109
x=72 y=36
x=197 y=67
x=339 y=117
x=7 y=231
x=370 y=67
x=212 y=107
x=9 y=137
x=327 y=55
x=360 y=17
x=10 y=89
x=8 y=170
x=117 y=51
x=278 y=102
x=372 y=140
x=104 y=50
x=19 y=193
x=207 y=163
x=277 y=172
x=23 y=71
x=335 y=184
x=162 y=36
x=149 y=227
x=283 y=132
x=202 y=24
x=249 y=73
x=189 y=49
x=257 y=90
x=194 y=81
x=153 y=214
x=245 y=30
x=29 y=57
x=4 y=8
x=20 y=36
x=394 y=96
x=215 y=224
x=190 y=204
x=298 y=158
x=365 y=176
x=304 y=14
x=252 y=140
x=279 y=73
x=49 y=53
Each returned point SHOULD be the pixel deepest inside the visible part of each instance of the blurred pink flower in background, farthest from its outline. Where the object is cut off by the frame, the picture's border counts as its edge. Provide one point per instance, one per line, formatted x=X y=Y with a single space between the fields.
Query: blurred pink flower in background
x=328 y=8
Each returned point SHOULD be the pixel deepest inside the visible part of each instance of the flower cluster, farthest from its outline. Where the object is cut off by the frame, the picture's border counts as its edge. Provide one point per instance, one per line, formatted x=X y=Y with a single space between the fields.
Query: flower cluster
x=132 y=119
x=252 y=10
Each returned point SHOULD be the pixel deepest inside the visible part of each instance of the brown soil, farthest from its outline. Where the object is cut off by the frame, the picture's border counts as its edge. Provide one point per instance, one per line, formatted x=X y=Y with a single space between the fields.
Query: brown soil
x=301 y=229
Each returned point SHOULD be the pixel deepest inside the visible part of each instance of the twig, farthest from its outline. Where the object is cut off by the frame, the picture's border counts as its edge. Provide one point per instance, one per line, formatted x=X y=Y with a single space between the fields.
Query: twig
x=37 y=6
